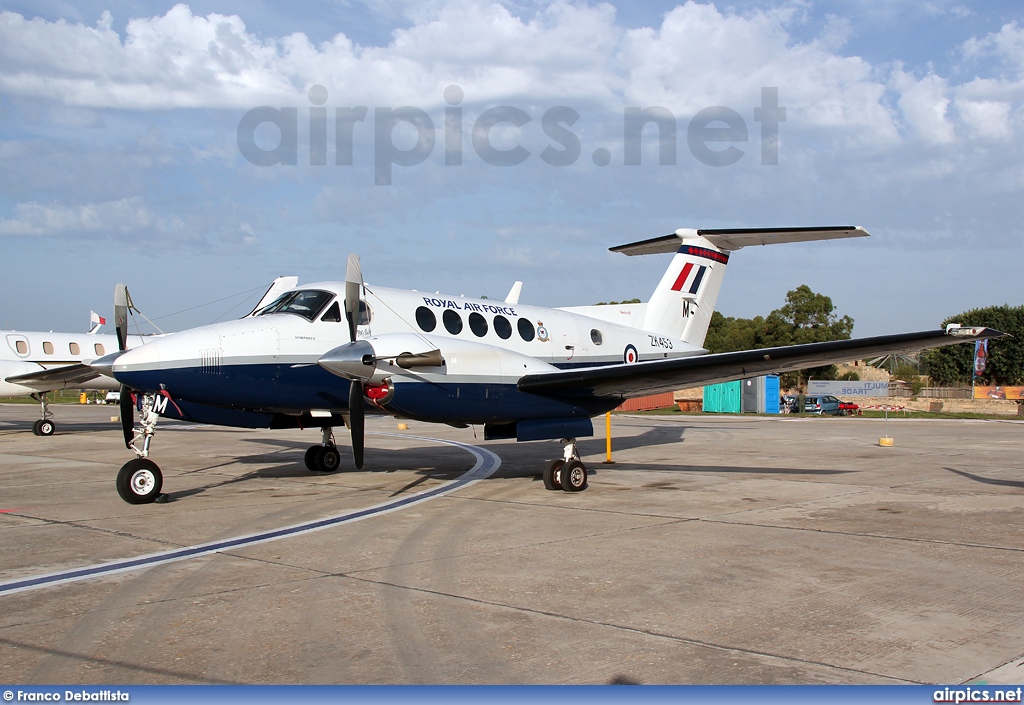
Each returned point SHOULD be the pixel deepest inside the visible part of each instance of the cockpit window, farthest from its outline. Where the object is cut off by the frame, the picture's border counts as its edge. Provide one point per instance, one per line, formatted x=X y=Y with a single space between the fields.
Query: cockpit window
x=333 y=314
x=307 y=303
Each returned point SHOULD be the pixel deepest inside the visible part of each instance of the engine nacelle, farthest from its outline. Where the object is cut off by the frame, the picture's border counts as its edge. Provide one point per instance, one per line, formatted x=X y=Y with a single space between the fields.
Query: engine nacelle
x=419 y=357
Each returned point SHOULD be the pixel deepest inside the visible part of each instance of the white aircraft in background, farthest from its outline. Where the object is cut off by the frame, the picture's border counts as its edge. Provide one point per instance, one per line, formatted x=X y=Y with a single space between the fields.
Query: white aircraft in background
x=34 y=363
x=320 y=354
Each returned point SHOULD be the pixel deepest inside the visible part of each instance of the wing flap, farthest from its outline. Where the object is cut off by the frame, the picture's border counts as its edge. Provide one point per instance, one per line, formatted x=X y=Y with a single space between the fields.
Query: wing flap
x=657 y=376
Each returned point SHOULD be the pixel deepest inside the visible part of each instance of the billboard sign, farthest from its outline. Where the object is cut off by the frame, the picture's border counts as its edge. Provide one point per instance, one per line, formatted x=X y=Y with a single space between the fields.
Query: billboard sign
x=999 y=392
x=845 y=388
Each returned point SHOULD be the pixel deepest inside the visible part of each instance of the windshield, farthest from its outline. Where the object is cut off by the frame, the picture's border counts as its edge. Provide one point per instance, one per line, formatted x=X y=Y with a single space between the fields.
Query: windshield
x=307 y=303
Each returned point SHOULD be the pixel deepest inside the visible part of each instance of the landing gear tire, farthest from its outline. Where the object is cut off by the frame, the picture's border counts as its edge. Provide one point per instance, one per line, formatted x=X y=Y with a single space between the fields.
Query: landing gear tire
x=552 y=478
x=139 y=481
x=573 y=476
x=328 y=459
x=44 y=427
x=310 y=458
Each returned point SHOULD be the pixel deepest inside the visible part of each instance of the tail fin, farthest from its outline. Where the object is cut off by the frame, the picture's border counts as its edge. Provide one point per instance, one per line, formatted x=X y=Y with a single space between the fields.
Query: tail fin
x=682 y=304
x=684 y=300
x=95 y=322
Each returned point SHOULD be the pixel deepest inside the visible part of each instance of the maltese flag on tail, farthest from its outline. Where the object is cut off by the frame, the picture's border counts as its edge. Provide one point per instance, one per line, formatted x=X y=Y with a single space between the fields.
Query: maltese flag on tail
x=95 y=321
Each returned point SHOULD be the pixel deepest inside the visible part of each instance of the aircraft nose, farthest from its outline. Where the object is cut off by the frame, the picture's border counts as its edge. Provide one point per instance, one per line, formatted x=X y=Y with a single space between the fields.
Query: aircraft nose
x=140 y=357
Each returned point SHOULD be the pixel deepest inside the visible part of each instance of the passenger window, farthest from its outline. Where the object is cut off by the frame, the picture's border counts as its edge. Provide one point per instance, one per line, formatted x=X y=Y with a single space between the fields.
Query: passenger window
x=21 y=346
x=502 y=327
x=48 y=348
x=452 y=321
x=333 y=314
x=595 y=335
x=75 y=350
x=98 y=347
x=478 y=324
x=425 y=319
x=526 y=330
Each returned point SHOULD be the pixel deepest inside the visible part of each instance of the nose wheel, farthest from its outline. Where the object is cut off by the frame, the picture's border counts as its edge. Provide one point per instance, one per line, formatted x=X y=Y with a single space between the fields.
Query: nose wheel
x=139 y=481
x=568 y=474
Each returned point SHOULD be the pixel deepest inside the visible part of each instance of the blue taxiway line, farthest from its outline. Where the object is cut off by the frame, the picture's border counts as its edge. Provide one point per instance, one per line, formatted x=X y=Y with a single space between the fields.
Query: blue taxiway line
x=486 y=464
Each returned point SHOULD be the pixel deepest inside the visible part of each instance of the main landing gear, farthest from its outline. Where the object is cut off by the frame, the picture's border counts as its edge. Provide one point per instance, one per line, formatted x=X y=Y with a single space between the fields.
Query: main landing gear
x=44 y=426
x=139 y=480
x=324 y=457
x=567 y=473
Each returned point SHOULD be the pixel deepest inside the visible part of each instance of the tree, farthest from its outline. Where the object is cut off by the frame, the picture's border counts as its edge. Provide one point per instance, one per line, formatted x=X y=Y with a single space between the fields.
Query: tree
x=806 y=317
x=810 y=318
x=954 y=365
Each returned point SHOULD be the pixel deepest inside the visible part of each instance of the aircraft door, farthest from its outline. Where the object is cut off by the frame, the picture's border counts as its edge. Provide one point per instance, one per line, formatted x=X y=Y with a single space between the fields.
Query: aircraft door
x=558 y=333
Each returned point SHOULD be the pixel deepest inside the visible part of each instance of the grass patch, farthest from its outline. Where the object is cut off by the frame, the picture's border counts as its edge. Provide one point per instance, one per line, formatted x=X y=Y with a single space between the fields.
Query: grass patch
x=65 y=396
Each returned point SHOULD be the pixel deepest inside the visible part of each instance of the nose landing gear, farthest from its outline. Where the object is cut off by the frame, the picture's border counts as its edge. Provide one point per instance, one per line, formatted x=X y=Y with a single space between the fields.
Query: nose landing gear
x=139 y=480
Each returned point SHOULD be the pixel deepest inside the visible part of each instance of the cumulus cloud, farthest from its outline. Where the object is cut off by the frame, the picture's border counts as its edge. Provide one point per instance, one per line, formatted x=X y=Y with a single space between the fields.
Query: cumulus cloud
x=124 y=215
x=698 y=57
x=924 y=104
x=579 y=54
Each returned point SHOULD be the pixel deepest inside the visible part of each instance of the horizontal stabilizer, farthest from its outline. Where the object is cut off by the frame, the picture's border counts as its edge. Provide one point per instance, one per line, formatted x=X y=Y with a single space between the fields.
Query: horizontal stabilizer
x=657 y=376
x=731 y=239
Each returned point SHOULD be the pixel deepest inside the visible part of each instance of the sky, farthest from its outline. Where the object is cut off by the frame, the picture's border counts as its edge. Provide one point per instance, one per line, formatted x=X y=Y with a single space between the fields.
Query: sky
x=197 y=151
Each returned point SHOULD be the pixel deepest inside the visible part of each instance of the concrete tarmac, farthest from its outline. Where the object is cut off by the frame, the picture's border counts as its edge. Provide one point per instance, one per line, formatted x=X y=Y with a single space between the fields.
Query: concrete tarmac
x=714 y=550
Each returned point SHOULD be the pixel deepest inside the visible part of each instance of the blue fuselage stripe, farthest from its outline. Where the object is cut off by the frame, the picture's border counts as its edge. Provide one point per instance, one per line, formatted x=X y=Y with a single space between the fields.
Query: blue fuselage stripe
x=286 y=389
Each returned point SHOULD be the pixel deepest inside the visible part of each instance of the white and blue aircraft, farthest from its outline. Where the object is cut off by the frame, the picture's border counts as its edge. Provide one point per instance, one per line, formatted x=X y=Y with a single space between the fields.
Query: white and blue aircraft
x=321 y=354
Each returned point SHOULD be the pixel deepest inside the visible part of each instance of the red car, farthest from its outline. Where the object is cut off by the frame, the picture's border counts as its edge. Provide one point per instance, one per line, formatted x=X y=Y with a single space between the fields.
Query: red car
x=848 y=408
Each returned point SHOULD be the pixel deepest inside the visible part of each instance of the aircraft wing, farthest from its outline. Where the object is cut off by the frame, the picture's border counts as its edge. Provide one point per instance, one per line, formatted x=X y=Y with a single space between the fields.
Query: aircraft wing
x=56 y=377
x=657 y=376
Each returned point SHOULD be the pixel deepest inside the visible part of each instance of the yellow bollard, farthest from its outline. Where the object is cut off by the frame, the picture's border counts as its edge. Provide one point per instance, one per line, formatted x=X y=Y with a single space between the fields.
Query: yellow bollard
x=608 y=438
x=83 y=398
x=885 y=442
x=403 y=427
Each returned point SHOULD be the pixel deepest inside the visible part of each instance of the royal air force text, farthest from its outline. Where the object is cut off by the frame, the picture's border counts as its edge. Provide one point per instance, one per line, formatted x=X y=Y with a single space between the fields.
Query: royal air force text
x=470 y=306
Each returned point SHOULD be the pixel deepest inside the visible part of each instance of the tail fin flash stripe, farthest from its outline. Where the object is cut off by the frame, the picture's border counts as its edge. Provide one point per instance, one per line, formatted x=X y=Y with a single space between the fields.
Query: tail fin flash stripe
x=713 y=255
x=683 y=275
x=697 y=279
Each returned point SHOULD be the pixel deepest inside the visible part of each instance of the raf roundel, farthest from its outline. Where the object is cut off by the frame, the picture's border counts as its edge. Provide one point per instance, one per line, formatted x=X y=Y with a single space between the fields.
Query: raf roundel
x=630 y=356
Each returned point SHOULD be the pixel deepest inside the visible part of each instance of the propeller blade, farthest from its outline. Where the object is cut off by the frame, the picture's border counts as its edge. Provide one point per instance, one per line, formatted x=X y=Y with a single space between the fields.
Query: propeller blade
x=355 y=421
x=127 y=409
x=353 y=283
x=121 y=304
